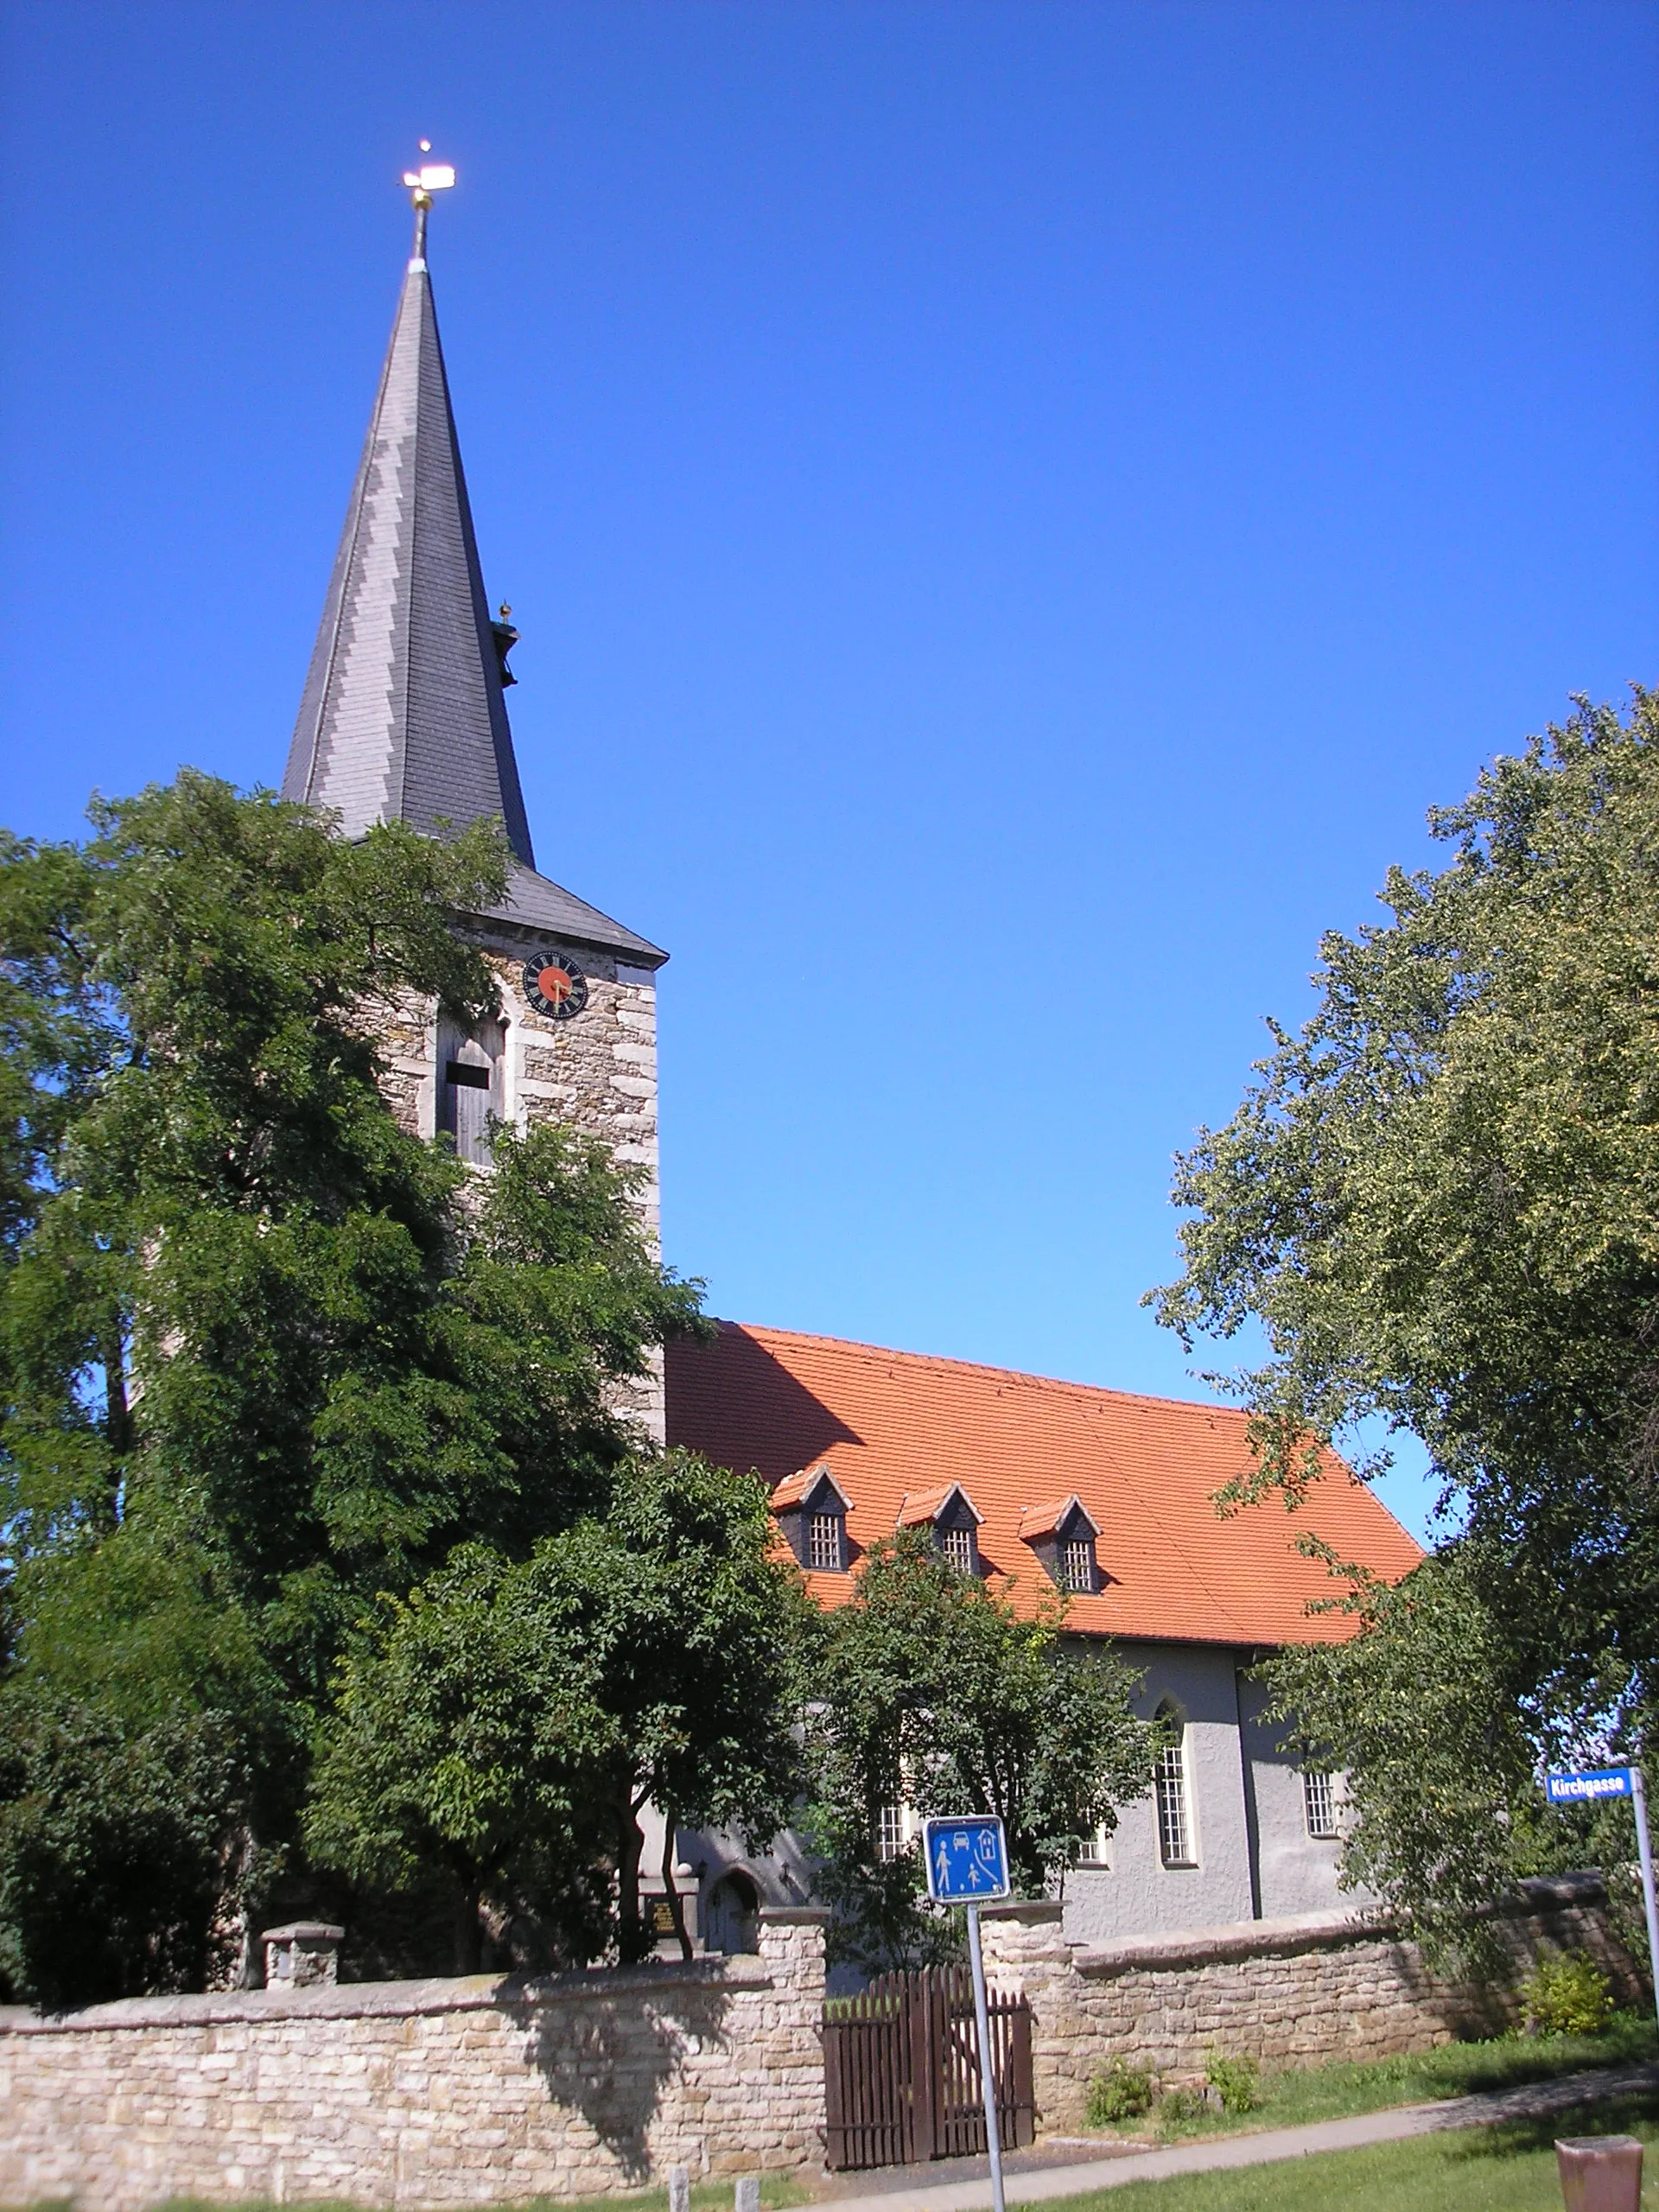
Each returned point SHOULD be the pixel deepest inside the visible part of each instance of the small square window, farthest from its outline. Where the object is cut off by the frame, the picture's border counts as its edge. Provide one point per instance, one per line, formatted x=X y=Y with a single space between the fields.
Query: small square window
x=1076 y=1564
x=1092 y=1850
x=1319 y=1803
x=824 y=1542
x=958 y=1545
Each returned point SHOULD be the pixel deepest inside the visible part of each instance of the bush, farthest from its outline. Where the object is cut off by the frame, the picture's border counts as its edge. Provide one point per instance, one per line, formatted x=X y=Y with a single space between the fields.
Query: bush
x=1567 y=1996
x=1123 y=2092
x=1176 y=2107
x=1236 y=2081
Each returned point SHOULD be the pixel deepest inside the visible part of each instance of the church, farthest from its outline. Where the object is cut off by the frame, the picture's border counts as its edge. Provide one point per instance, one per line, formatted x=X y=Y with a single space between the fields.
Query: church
x=1100 y=1494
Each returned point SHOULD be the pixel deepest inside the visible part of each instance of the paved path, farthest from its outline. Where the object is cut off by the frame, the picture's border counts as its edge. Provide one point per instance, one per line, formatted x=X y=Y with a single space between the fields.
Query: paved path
x=1036 y=2184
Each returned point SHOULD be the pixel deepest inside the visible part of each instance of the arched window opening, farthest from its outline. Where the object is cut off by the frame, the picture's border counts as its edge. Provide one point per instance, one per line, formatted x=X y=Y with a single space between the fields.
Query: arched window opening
x=734 y=1915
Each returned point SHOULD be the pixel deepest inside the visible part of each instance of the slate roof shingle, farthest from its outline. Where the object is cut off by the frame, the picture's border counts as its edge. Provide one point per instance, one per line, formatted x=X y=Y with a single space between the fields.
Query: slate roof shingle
x=404 y=716
x=889 y=1423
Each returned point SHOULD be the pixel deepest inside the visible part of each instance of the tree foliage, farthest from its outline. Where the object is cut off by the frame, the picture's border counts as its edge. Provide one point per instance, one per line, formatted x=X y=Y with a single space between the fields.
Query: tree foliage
x=512 y=1720
x=251 y=1330
x=931 y=1691
x=1440 y=1203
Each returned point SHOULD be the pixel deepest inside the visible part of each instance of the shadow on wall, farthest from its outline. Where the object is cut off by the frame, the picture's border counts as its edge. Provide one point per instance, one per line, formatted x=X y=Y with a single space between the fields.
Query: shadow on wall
x=610 y=2059
x=740 y=1408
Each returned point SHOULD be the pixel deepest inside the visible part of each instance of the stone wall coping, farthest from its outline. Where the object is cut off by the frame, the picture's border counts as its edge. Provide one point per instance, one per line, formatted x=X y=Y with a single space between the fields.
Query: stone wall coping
x=1588 y=1886
x=1037 y=1911
x=1243 y=1939
x=1305 y=1931
x=795 y=1915
x=304 y=1931
x=352 y=2000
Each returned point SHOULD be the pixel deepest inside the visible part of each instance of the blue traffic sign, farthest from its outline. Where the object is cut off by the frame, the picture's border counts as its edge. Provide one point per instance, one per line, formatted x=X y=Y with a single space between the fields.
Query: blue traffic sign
x=967 y=1859
x=1589 y=1784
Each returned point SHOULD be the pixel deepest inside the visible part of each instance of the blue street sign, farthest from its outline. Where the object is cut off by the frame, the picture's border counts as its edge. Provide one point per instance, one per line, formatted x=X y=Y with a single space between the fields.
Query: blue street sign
x=1589 y=1784
x=967 y=1859
x=1588 y=1787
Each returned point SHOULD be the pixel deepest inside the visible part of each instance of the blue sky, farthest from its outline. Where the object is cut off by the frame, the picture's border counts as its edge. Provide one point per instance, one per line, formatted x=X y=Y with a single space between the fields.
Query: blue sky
x=1014 y=511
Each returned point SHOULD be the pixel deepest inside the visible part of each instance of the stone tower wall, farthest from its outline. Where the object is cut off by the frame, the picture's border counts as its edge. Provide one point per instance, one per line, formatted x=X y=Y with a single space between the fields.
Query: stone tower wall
x=596 y=1073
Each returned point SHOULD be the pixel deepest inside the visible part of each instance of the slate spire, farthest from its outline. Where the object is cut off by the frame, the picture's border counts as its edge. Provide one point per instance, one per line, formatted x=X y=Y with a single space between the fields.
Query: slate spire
x=403 y=714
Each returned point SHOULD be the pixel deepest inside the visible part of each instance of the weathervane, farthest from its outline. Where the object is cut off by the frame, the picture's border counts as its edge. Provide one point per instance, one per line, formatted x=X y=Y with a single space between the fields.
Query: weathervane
x=430 y=177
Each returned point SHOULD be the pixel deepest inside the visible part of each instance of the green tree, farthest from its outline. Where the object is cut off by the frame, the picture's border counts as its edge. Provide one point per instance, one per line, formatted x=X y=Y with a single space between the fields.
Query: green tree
x=510 y=1721
x=929 y=1690
x=248 y=1323
x=457 y=1743
x=1441 y=1206
x=141 y=1749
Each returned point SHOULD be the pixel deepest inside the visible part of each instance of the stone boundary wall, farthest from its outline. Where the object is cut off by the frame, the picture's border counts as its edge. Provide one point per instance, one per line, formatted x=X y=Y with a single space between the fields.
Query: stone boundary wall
x=423 y=2094
x=1286 y=1991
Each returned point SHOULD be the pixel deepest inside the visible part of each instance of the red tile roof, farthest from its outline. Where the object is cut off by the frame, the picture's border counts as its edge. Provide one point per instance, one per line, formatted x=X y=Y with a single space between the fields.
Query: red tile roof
x=893 y=1424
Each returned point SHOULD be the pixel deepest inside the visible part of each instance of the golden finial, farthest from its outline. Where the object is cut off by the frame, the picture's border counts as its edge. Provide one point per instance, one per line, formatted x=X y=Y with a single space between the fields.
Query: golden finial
x=430 y=177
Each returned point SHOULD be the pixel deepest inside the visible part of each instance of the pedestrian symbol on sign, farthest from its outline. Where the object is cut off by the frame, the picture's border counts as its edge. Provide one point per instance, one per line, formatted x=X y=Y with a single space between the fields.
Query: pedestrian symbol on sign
x=967 y=1861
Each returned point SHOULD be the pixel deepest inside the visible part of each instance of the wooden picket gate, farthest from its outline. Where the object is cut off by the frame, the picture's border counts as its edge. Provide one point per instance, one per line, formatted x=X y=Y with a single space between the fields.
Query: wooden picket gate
x=901 y=2070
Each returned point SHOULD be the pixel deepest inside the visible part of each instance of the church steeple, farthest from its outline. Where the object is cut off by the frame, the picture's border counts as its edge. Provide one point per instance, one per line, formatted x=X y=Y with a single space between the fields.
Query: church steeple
x=404 y=716
x=402 y=713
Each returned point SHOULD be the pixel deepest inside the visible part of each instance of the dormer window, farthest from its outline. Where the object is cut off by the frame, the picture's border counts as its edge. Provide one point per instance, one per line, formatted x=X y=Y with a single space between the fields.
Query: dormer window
x=1077 y=1563
x=1063 y=1536
x=958 y=1545
x=812 y=1510
x=954 y=1519
x=823 y=1544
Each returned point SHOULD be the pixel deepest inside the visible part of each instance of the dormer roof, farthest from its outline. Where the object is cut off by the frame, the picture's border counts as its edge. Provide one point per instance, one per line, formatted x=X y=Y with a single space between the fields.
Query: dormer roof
x=805 y=1490
x=929 y=1505
x=1037 y=1521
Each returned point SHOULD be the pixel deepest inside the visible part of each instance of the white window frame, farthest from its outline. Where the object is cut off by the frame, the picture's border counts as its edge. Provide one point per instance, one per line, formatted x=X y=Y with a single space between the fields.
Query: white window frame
x=1321 y=1805
x=958 y=1545
x=896 y=1829
x=1094 y=1852
x=1076 y=1564
x=825 y=1544
x=1172 y=1794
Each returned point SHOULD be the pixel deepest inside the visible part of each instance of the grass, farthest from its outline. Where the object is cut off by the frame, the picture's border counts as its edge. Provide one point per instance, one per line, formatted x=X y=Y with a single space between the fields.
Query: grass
x=1507 y=2169
x=1337 y=2089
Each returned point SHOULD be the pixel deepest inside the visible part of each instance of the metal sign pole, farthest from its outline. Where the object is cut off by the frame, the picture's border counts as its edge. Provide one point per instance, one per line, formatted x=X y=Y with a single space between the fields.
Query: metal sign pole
x=988 y=2069
x=1644 y=1849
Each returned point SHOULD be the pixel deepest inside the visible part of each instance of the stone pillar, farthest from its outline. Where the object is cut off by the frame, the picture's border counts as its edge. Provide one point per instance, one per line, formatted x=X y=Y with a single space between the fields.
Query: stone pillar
x=1026 y=1953
x=791 y=1939
x=302 y=1955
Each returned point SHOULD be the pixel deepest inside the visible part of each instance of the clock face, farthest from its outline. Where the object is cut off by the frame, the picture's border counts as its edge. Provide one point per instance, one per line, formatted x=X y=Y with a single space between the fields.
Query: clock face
x=555 y=985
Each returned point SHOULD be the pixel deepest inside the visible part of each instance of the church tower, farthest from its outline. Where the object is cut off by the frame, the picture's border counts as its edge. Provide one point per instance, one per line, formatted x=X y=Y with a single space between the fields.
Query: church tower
x=403 y=717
